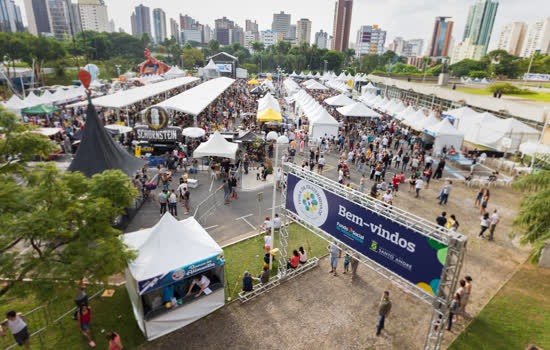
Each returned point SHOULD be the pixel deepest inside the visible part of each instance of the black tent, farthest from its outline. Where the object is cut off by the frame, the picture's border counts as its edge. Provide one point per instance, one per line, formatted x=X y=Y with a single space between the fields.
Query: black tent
x=98 y=151
x=250 y=137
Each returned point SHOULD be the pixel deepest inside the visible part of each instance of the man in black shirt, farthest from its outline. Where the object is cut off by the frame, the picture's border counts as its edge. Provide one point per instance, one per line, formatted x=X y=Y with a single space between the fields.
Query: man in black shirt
x=441 y=220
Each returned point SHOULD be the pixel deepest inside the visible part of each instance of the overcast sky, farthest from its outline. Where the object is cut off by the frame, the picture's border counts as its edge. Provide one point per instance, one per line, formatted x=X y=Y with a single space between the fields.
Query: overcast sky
x=408 y=19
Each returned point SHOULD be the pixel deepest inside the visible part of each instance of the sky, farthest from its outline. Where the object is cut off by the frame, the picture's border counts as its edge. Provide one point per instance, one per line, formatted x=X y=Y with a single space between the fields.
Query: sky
x=404 y=18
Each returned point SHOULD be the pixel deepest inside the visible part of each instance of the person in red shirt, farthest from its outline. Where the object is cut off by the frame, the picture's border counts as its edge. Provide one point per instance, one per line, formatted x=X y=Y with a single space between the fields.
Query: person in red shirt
x=395 y=183
x=84 y=317
x=294 y=260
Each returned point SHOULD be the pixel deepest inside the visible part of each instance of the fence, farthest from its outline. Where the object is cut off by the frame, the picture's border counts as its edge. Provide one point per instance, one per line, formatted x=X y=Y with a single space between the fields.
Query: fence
x=208 y=206
x=42 y=317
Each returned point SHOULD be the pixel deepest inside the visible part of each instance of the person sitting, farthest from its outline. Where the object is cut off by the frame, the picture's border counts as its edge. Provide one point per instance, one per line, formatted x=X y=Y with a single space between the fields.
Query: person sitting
x=303 y=255
x=294 y=260
x=247 y=282
x=201 y=281
x=277 y=222
x=264 y=275
x=493 y=177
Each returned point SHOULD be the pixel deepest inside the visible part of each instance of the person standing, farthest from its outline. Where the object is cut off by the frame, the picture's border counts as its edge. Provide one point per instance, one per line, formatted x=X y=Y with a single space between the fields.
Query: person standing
x=442 y=219
x=162 y=201
x=418 y=186
x=495 y=219
x=186 y=197
x=445 y=192
x=335 y=254
x=460 y=292
x=454 y=310
x=485 y=222
x=84 y=317
x=18 y=328
x=246 y=161
x=354 y=262
x=173 y=203
x=320 y=164
x=226 y=191
x=362 y=183
x=233 y=182
x=466 y=296
x=384 y=309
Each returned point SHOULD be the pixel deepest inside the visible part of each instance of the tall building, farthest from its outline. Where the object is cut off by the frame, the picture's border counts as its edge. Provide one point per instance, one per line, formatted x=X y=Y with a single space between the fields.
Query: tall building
x=207 y=34
x=60 y=13
x=281 y=23
x=186 y=22
x=398 y=45
x=293 y=33
x=303 y=30
x=112 y=26
x=249 y=38
x=222 y=31
x=467 y=50
x=133 y=23
x=37 y=16
x=270 y=37
x=441 y=37
x=342 y=24
x=10 y=17
x=479 y=24
x=174 y=29
x=416 y=46
x=142 y=22
x=321 y=39
x=159 y=22
x=537 y=38
x=370 y=41
x=93 y=15
x=511 y=37
x=191 y=35
x=252 y=26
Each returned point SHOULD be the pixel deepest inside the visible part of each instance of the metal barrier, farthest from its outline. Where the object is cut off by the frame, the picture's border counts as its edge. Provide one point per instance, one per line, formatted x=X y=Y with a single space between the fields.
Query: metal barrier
x=40 y=318
x=207 y=207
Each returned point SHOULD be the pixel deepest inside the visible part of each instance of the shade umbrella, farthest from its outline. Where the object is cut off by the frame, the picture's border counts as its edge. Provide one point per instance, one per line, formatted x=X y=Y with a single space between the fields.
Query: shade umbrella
x=40 y=109
x=193 y=132
x=253 y=82
x=122 y=129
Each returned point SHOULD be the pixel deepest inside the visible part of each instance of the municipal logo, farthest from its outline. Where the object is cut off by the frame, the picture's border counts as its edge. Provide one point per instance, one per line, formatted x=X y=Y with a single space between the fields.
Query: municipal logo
x=178 y=274
x=311 y=203
x=374 y=246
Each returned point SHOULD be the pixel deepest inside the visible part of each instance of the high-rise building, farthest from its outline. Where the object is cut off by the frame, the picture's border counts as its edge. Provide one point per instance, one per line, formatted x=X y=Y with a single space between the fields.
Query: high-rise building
x=223 y=29
x=321 y=39
x=60 y=13
x=293 y=33
x=237 y=35
x=511 y=37
x=398 y=45
x=37 y=16
x=207 y=34
x=142 y=21
x=479 y=24
x=467 y=50
x=112 y=26
x=303 y=30
x=416 y=46
x=133 y=23
x=191 y=35
x=270 y=37
x=441 y=37
x=537 y=38
x=249 y=38
x=251 y=26
x=10 y=17
x=159 y=22
x=370 y=41
x=342 y=24
x=93 y=15
x=281 y=23
x=174 y=29
x=186 y=22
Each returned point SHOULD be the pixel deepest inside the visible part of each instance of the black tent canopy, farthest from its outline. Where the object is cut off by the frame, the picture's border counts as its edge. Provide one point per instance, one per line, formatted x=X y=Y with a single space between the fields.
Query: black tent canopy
x=99 y=152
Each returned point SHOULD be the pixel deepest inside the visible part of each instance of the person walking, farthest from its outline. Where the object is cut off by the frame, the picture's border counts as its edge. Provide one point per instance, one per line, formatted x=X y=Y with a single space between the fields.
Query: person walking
x=114 y=341
x=454 y=310
x=18 y=328
x=417 y=187
x=320 y=164
x=226 y=191
x=445 y=192
x=384 y=309
x=84 y=318
x=495 y=219
x=460 y=292
x=485 y=222
x=335 y=254
x=162 y=201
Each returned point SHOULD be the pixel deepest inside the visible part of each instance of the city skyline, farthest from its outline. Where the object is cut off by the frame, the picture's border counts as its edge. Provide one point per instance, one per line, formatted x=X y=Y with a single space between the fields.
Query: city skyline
x=396 y=21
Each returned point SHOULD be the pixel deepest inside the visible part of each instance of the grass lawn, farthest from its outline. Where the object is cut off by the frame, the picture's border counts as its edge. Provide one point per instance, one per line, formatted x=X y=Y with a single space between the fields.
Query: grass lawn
x=516 y=316
x=539 y=96
x=547 y=86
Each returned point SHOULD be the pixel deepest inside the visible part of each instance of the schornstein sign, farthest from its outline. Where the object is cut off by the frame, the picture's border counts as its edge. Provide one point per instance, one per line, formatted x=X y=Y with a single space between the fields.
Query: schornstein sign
x=399 y=249
x=170 y=134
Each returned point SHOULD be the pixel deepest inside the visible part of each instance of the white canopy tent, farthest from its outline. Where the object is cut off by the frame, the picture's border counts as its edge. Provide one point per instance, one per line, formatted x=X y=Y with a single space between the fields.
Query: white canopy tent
x=357 y=109
x=405 y=113
x=445 y=134
x=126 y=98
x=216 y=146
x=168 y=253
x=195 y=100
x=316 y=86
x=531 y=148
x=174 y=72
x=15 y=104
x=340 y=100
x=369 y=89
x=210 y=71
x=414 y=118
x=495 y=133
x=323 y=126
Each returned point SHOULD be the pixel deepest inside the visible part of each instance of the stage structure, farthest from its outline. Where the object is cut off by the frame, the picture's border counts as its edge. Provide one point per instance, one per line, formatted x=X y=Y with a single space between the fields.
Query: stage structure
x=420 y=257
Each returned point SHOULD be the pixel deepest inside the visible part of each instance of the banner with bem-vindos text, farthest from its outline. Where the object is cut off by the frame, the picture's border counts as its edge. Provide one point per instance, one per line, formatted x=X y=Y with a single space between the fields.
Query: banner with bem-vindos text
x=405 y=252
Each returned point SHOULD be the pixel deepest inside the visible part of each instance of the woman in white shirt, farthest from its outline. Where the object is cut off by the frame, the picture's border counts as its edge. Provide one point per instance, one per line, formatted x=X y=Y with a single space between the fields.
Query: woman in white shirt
x=18 y=328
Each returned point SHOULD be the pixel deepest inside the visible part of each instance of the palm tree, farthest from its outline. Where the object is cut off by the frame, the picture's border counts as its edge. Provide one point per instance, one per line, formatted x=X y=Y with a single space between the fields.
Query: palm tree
x=257 y=46
x=534 y=216
x=348 y=54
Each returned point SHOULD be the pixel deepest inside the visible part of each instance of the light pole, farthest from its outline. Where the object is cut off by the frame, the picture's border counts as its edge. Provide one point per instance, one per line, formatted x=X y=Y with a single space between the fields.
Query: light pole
x=530 y=64
x=118 y=69
x=326 y=62
x=278 y=140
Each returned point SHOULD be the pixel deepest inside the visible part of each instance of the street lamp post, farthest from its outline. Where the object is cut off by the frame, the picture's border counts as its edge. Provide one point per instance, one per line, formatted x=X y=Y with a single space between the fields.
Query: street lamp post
x=118 y=68
x=279 y=140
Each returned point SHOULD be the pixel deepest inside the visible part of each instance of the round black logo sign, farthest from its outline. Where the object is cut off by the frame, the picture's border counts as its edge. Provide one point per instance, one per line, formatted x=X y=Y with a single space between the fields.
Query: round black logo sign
x=156 y=117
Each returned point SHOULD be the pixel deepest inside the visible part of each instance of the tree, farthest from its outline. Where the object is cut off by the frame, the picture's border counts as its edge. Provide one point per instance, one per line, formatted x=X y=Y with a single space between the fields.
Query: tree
x=369 y=63
x=349 y=54
x=477 y=74
x=463 y=68
x=191 y=57
x=334 y=60
x=250 y=67
x=404 y=68
x=214 y=46
x=145 y=39
x=257 y=46
x=435 y=70
x=534 y=217
x=501 y=63
x=283 y=47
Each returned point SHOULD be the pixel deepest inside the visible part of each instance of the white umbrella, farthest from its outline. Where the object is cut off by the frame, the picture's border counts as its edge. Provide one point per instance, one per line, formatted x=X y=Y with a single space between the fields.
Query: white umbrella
x=193 y=132
x=122 y=129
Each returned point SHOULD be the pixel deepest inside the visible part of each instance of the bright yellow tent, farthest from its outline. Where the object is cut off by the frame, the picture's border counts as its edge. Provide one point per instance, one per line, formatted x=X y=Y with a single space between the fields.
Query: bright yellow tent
x=269 y=115
x=253 y=82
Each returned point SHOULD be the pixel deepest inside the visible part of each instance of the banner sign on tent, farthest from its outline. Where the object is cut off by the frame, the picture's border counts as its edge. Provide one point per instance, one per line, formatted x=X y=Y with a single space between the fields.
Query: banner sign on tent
x=535 y=76
x=179 y=274
x=168 y=134
x=224 y=68
x=390 y=244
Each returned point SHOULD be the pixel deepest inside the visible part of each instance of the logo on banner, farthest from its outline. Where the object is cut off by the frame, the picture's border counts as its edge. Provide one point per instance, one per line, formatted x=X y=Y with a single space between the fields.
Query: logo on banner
x=156 y=117
x=311 y=203
x=374 y=246
x=178 y=274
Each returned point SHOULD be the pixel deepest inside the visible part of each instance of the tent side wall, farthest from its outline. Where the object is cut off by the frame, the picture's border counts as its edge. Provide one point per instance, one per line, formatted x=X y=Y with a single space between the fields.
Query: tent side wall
x=318 y=131
x=447 y=140
x=137 y=305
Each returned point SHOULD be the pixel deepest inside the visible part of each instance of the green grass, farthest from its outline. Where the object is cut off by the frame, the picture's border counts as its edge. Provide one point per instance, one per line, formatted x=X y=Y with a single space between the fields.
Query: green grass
x=539 y=96
x=516 y=316
x=547 y=86
x=248 y=256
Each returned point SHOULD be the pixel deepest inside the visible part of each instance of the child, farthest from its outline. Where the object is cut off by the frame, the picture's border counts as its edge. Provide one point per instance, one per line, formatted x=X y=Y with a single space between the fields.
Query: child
x=347 y=259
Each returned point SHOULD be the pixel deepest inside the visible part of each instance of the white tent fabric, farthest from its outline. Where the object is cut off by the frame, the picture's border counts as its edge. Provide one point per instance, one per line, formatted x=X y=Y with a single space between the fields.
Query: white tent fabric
x=216 y=146
x=368 y=89
x=32 y=100
x=316 y=86
x=323 y=126
x=427 y=122
x=309 y=82
x=268 y=101
x=269 y=84
x=193 y=132
x=357 y=110
x=211 y=70
x=168 y=247
x=405 y=113
x=15 y=104
x=340 y=100
x=122 y=129
x=129 y=97
x=531 y=148
x=446 y=135
x=291 y=86
x=494 y=133
x=195 y=100
x=413 y=119
x=397 y=108
x=174 y=72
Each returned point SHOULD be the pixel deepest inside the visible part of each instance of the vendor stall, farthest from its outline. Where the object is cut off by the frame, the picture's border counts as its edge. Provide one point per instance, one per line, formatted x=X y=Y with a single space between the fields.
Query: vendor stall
x=216 y=146
x=177 y=277
x=443 y=134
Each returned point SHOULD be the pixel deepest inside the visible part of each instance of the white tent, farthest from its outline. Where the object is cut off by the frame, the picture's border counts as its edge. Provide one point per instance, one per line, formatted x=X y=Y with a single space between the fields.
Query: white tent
x=397 y=108
x=174 y=72
x=32 y=100
x=369 y=88
x=531 y=148
x=357 y=110
x=405 y=113
x=316 y=86
x=267 y=83
x=211 y=70
x=323 y=126
x=425 y=123
x=216 y=146
x=414 y=119
x=340 y=100
x=171 y=252
x=445 y=134
x=495 y=133
x=15 y=104
x=268 y=101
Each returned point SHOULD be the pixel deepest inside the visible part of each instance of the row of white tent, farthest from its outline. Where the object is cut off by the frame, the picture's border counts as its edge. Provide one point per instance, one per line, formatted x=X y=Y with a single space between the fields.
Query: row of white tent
x=330 y=76
x=59 y=96
x=312 y=84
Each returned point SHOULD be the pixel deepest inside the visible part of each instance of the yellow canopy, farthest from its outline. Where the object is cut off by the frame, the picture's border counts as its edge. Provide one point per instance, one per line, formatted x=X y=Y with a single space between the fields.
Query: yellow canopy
x=269 y=115
x=253 y=82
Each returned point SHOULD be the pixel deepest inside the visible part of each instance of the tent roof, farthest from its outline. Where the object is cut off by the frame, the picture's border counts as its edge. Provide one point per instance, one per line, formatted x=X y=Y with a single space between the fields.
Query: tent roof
x=444 y=127
x=357 y=110
x=99 y=152
x=511 y=126
x=40 y=109
x=340 y=100
x=32 y=100
x=169 y=245
x=249 y=137
x=129 y=97
x=269 y=115
x=195 y=100
x=316 y=86
x=216 y=146
x=325 y=119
